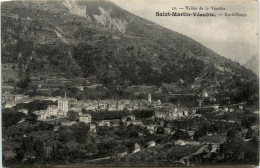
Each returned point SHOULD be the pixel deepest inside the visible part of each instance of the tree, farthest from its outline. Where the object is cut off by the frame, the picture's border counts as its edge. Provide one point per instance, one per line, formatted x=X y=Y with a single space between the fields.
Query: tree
x=199 y=133
x=73 y=116
x=107 y=148
x=130 y=146
x=26 y=147
x=65 y=135
x=179 y=134
x=11 y=118
x=133 y=134
x=23 y=83
x=143 y=113
x=43 y=126
x=160 y=130
x=248 y=121
x=38 y=147
x=232 y=133
x=249 y=133
x=80 y=132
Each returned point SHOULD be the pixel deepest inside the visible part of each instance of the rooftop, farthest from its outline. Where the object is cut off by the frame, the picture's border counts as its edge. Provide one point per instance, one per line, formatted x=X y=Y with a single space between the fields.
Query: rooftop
x=85 y=115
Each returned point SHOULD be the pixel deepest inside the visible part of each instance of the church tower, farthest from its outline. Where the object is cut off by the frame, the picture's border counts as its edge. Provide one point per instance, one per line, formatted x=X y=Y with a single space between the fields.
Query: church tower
x=63 y=104
x=149 y=98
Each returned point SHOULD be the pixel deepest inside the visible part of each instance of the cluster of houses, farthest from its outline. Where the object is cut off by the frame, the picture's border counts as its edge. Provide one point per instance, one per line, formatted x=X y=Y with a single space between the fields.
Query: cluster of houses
x=9 y=100
x=115 y=105
x=65 y=104
x=209 y=95
x=171 y=112
x=54 y=111
x=12 y=97
x=211 y=146
x=130 y=119
x=164 y=111
x=94 y=105
x=228 y=108
x=137 y=148
x=60 y=111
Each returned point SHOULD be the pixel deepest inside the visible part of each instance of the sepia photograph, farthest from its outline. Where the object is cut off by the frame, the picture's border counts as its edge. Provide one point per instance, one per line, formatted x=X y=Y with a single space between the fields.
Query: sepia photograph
x=154 y=83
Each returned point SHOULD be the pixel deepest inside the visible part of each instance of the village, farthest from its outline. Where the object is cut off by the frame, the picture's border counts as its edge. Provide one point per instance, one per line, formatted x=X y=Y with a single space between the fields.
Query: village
x=186 y=125
x=151 y=121
x=164 y=111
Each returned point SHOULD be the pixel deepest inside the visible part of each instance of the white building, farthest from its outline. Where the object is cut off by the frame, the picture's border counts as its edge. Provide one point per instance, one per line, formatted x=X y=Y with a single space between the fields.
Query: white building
x=216 y=106
x=120 y=107
x=204 y=93
x=102 y=106
x=137 y=148
x=18 y=97
x=180 y=142
x=52 y=110
x=63 y=104
x=134 y=123
x=61 y=114
x=56 y=128
x=41 y=114
x=151 y=129
x=86 y=118
x=25 y=111
x=92 y=128
x=185 y=113
x=149 y=98
x=226 y=109
x=112 y=107
x=151 y=143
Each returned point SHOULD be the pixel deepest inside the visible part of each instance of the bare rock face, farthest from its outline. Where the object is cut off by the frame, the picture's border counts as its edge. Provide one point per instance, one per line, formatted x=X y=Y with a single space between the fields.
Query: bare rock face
x=75 y=8
x=111 y=23
x=253 y=64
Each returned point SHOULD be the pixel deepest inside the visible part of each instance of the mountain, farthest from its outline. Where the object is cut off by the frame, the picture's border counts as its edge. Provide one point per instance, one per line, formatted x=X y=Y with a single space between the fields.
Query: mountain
x=101 y=41
x=253 y=64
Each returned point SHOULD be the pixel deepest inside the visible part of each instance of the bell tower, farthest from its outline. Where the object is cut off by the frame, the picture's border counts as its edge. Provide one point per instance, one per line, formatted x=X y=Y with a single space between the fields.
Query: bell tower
x=149 y=98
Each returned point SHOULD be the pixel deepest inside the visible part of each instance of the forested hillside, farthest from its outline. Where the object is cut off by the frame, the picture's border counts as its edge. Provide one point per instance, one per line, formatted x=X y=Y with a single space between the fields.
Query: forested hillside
x=100 y=40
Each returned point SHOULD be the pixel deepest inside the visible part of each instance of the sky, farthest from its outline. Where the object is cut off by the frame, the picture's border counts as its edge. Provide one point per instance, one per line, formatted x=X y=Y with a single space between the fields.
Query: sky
x=233 y=37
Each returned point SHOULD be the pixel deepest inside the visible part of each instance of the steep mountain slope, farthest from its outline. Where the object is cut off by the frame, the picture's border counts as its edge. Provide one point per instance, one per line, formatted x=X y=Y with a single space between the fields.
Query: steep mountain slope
x=253 y=64
x=98 y=38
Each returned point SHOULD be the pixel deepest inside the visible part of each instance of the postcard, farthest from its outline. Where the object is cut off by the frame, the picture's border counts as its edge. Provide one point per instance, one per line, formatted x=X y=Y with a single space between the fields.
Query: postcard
x=164 y=83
